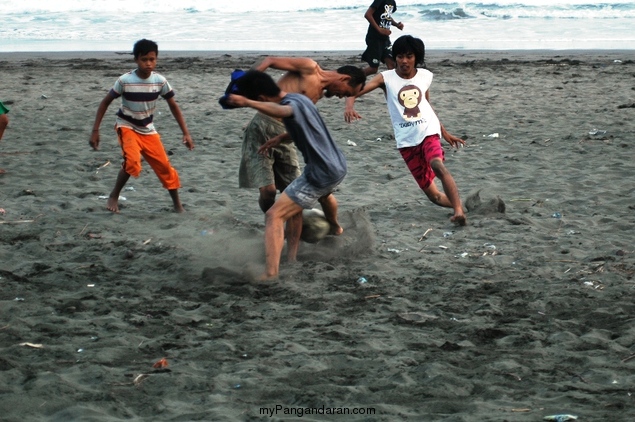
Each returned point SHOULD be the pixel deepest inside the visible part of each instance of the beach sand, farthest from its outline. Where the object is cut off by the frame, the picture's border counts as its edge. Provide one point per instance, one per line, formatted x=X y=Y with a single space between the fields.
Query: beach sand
x=526 y=312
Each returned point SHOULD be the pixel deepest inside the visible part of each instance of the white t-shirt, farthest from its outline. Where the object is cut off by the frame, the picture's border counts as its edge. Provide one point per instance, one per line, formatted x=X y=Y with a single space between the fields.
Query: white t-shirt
x=412 y=117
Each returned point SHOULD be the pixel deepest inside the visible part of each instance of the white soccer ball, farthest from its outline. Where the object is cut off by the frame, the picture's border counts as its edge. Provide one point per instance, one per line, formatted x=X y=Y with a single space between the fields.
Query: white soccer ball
x=314 y=226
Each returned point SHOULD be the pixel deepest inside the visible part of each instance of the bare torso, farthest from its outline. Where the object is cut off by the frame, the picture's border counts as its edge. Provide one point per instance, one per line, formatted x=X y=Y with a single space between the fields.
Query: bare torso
x=310 y=85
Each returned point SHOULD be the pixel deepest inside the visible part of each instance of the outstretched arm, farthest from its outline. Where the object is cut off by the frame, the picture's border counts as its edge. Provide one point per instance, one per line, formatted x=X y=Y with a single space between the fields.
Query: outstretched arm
x=101 y=111
x=269 y=108
x=350 y=115
x=176 y=112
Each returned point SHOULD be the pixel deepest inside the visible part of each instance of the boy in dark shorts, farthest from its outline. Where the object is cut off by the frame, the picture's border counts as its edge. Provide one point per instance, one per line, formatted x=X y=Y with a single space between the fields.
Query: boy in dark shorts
x=378 y=46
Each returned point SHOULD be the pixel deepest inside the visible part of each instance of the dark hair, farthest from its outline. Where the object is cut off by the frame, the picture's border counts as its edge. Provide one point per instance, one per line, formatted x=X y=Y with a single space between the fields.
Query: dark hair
x=255 y=83
x=357 y=75
x=143 y=47
x=409 y=44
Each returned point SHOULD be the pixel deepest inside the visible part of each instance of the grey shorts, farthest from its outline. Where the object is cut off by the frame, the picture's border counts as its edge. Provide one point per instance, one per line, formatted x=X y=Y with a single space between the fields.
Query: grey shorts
x=279 y=168
x=305 y=194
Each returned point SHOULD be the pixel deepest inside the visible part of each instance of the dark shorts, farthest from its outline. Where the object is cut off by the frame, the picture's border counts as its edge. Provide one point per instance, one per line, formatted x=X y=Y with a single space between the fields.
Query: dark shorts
x=377 y=51
x=278 y=168
x=418 y=159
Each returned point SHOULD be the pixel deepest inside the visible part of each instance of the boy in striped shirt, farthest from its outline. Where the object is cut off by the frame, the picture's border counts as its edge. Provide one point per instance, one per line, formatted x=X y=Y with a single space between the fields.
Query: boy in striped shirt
x=139 y=90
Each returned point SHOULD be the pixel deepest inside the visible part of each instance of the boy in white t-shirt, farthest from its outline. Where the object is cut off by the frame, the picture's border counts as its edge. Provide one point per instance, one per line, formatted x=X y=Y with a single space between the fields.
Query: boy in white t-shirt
x=416 y=126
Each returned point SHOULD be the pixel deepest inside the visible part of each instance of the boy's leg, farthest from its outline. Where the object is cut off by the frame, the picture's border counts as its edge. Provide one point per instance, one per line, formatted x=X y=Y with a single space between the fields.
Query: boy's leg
x=450 y=198
x=113 y=198
x=156 y=157
x=174 y=194
x=292 y=232
x=131 y=166
x=275 y=219
x=329 y=206
x=267 y=197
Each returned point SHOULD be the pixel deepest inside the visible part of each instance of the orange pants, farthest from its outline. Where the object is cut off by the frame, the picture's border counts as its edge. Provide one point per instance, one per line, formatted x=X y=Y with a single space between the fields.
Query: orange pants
x=134 y=145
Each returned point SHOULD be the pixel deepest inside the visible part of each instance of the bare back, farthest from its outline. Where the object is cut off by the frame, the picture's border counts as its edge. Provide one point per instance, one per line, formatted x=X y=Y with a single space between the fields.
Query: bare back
x=308 y=84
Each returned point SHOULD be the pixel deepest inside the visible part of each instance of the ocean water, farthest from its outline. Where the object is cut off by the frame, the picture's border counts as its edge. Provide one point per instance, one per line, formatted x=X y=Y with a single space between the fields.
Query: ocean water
x=309 y=25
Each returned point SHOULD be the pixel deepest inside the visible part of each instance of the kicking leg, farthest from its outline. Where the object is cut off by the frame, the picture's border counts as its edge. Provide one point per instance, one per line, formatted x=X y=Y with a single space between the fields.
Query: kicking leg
x=449 y=199
x=329 y=206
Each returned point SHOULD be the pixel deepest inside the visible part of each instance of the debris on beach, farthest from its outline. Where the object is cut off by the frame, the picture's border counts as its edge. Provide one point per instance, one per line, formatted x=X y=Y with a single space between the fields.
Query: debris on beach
x=107 y=163
x=33 y=345
x=560 y=418
x=416 y=317
x=597 y=132
x=161 y=363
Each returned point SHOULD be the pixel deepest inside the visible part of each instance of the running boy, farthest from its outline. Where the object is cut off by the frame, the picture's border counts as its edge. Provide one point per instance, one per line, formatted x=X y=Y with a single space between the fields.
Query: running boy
x=378 y=47
x=416 y=126
x=139 y=90
x=325 y=164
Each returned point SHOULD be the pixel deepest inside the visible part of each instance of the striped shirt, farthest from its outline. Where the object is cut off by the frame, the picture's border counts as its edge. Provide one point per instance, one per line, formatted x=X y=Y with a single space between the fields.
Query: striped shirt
x=139 y=100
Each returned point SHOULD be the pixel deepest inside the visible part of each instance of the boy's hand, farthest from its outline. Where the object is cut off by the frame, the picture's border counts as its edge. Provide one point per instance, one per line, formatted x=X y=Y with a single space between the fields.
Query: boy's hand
x=94 y=140
x=271 y=143
x=237 y=100
x=350 y=115
x=189 y=143
x=454 y=140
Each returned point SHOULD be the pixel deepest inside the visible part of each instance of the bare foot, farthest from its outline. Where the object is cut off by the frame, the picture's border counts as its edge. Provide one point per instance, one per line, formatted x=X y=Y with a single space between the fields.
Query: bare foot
x=459 y=219
x=179 y=209
x=2 y=171
x=265 y=277
x=336 y=230
x=113 y=205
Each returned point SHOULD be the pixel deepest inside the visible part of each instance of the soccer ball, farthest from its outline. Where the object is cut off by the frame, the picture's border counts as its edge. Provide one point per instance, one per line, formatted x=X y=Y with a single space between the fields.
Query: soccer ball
x=314 y=226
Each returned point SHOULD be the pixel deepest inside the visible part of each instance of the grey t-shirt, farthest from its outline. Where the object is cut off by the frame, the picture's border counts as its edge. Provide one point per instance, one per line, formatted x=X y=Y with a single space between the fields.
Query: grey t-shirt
x=325 y=163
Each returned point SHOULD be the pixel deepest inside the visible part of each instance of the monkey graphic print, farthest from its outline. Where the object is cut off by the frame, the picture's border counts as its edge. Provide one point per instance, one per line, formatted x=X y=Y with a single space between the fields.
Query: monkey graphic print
x=412 y=116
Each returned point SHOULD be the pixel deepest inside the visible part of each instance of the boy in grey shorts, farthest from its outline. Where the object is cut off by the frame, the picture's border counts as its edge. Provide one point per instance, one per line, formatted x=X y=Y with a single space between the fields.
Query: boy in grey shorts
x=324 y=170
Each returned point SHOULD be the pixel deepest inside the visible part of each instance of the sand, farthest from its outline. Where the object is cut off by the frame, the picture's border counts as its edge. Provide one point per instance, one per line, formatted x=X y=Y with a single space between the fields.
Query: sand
x=524 y=313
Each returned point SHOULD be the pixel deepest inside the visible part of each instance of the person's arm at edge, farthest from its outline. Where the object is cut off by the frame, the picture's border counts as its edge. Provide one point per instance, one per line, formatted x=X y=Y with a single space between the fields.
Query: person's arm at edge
x=178 y=116
x=101 y=111
x=350 y=115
